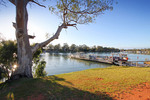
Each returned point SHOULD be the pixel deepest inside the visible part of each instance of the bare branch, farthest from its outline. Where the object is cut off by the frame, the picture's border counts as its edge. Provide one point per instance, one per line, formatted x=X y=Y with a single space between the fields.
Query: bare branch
x=37 y=3
x=75 y=27
x=14 y=25
x=13 y=2
x=70 y=24
x=31 y=37
x=55 y=36
x=74 y=20
x=86 y=11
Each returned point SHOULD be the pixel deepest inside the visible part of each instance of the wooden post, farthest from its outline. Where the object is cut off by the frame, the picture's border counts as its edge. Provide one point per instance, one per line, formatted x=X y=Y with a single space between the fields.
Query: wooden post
x=131 y=63
x=136 y=63
x=120 y=63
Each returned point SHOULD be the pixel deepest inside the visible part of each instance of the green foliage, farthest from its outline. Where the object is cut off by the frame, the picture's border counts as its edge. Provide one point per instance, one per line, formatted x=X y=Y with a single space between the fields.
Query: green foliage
x=80 y=48
x=2 y=72
x=57 y=47
x=7 y=49
x=65 y=47
x=37 y=53
x=38 y=65
x=73 y=48
x=7 y=59
x=36 y=57
x=39 y=72
x=80 y=11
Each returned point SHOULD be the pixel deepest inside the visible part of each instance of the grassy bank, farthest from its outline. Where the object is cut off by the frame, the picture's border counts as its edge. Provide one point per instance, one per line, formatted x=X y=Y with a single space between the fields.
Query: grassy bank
x=92 y=84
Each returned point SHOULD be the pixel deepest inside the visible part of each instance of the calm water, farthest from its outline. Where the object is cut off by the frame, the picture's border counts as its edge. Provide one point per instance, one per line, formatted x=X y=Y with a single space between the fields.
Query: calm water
x=58 y=63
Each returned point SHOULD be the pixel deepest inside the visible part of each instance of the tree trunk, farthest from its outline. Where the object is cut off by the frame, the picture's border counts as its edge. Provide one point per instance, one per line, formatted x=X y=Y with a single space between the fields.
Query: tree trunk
x=24 y=52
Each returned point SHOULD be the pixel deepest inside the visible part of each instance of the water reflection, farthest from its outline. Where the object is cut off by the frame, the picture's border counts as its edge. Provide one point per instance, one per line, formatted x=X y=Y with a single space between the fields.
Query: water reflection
x=58 y=63
x=138 y=57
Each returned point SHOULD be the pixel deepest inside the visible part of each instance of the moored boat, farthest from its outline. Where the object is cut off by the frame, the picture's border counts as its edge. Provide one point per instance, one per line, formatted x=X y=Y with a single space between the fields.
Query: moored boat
x=117 y=59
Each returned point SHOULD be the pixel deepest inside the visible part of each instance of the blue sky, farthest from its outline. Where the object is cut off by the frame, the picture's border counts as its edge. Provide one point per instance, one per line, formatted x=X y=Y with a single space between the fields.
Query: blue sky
x=127 y=26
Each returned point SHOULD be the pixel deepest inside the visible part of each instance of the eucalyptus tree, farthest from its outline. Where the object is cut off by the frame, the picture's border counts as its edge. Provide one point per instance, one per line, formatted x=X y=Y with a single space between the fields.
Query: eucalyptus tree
x=51 y=47
x=72 y=12
x=73 y=48
x=65 y=47
x=57 y=48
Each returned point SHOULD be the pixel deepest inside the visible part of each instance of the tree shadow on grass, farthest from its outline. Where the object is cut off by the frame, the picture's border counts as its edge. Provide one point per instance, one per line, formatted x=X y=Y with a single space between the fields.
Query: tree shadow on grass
x=54 y=78
x=49 y=88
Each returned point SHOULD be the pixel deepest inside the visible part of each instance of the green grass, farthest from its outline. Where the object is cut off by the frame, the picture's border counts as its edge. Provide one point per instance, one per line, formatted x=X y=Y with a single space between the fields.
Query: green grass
x=92 y=84
x=107 y=79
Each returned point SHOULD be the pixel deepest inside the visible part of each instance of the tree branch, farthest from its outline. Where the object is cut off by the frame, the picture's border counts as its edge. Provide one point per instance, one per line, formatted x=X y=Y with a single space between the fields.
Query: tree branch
x=37 y=3
x=13 y=2
x=31 y=37
x=70 y=24
x=14 y=25
x=55 y=36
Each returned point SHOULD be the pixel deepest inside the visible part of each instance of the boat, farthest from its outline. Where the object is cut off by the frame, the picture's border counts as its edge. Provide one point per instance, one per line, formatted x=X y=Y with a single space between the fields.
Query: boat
x=117 y=59
x=120 y=57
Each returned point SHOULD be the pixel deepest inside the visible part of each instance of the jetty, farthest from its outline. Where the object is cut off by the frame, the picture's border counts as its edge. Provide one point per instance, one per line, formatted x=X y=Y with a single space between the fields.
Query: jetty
x=120 y=60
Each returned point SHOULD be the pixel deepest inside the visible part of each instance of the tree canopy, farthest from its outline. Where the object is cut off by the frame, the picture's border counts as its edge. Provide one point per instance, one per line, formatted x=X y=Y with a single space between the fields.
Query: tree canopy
x=79 y=48
x=74 y=12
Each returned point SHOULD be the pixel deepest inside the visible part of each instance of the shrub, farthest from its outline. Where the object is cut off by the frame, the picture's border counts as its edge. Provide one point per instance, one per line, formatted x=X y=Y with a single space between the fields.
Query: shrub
x=40 y=72
x=7 y=49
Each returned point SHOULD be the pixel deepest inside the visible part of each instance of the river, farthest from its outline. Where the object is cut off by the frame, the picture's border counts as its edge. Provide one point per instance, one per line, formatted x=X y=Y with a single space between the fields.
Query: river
x=58 y=63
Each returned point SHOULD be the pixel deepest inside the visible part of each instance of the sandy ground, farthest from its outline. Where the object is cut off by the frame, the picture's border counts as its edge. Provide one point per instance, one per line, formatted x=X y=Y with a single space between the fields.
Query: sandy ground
x=141 y=92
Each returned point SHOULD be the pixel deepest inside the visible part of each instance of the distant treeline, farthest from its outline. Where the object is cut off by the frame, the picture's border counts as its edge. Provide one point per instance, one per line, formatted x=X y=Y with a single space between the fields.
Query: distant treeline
x=137 y=51
x=79 y=48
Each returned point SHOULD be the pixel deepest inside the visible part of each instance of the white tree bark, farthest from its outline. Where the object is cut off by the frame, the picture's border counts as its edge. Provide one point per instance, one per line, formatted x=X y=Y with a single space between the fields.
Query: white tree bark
x=24 y=53
x=55 y=36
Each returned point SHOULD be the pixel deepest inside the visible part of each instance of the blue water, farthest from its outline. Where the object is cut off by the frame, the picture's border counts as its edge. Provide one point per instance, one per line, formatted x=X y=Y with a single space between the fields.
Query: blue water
x=61 y=63
x=58 y=63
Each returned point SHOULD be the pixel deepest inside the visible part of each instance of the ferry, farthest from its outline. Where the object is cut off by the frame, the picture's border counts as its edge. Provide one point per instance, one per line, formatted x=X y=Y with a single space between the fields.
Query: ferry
x=116 y=59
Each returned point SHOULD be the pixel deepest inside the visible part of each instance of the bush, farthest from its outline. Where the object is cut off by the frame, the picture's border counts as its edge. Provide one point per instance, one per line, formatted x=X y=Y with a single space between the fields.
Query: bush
x=40 y=72
x=7 y=49
x=38 y=65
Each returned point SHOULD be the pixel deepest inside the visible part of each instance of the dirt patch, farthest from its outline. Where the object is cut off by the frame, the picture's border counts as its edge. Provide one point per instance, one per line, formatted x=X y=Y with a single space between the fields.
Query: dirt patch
x=98 y=79
x=141 y=92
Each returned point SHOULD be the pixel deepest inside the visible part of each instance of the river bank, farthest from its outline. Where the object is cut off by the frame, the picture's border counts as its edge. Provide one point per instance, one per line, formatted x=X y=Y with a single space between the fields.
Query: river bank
x=92 y=84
